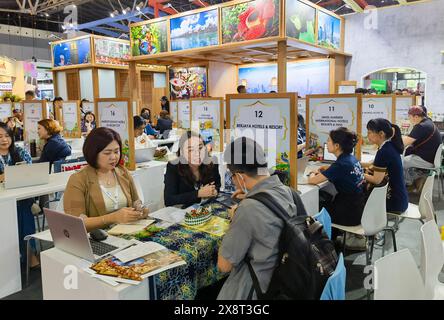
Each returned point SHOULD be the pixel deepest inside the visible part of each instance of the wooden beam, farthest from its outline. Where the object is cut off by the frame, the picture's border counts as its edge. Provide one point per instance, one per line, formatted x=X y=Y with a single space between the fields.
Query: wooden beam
x=282 y=66
x=133 y=82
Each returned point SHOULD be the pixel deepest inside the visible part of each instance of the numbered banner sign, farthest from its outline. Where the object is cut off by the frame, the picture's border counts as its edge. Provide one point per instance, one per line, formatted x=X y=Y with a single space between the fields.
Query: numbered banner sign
x=302 y=107
x=269 y=119
x=373 y=107
x=329 y=112
x=183 y=114
x=207 y=117
x=116 y=114
x=33 y=112
x=71 y=119
x=5 y=110
x=403 y=104
x=88 y=107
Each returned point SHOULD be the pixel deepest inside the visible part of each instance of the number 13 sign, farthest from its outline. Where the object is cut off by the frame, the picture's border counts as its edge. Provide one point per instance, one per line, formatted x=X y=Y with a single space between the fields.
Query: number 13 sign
x=116 y=114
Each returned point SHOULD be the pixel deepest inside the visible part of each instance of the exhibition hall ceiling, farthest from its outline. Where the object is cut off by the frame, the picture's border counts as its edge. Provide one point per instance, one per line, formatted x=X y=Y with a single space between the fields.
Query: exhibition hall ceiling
x=49 y=14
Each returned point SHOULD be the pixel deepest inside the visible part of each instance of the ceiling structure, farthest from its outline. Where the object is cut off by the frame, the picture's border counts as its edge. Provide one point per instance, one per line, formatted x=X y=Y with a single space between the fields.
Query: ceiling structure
x=112 y=17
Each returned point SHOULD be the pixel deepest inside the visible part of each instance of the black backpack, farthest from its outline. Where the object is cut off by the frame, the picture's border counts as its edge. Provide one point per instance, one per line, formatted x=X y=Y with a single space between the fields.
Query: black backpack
x=307 y=257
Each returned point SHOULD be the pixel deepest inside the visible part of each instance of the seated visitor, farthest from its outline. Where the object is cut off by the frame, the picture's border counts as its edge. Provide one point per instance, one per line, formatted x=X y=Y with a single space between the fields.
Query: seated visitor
x=164 y=122
x=103 y=192
x=347 y=176
x=193 y=176
x=88 y=122
x=387 y=137
x=55 y=148
x=421 y=144
x=255 y=230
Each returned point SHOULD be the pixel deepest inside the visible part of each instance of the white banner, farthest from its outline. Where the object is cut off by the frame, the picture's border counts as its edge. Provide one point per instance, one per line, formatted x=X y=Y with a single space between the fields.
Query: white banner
x=70 y=117
x=183 y=110
x=32 y=114
x=5 y=110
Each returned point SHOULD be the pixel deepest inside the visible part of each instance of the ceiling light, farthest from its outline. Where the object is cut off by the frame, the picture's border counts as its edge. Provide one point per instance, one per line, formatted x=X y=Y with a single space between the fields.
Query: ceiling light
x=126 y=10
x=139 y=6
x=114 y=13
x=63 y=27
x=74 y=6
x=46 y=14
x=71 y=25
x=111 y=15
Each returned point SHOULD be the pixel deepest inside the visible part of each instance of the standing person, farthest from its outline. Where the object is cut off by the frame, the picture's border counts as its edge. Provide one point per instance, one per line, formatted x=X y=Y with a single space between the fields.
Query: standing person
x=347 y=176
x=88 y=123
x=57 y=104
x=29 y=95
x=422 y=144
x=103 y=192
x=146 y=114
x=16 y=129
x=301 y=135
x=241 y=89
x=10 y=155
x=164 y=122
x=165 y=104
x=254 y=230
x=55 y=148
x=195 y=177
x=388 y=163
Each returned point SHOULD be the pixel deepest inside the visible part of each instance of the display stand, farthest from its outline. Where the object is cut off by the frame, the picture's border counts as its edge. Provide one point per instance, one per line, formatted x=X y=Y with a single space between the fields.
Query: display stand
x=33 y=112
x=329 y=112
x=271 y=120
x=117 y=115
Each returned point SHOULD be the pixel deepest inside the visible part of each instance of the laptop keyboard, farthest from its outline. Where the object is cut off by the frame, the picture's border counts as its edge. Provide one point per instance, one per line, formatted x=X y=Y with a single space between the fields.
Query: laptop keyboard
x=101 y=248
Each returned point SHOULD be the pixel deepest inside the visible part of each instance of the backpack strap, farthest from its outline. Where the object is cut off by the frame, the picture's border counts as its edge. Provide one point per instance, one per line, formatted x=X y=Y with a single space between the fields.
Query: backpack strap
x=267 y=200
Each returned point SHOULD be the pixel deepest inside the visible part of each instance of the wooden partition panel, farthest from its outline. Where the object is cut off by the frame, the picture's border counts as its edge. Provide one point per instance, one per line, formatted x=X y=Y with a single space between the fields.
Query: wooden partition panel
x=73 y=84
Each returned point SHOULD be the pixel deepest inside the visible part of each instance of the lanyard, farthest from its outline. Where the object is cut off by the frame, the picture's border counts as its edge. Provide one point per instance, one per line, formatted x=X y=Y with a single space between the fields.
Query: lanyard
x=114 y=198
x=7 y=161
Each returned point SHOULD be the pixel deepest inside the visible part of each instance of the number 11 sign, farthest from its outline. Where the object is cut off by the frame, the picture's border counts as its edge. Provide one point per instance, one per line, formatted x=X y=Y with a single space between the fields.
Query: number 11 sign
x=116 y=114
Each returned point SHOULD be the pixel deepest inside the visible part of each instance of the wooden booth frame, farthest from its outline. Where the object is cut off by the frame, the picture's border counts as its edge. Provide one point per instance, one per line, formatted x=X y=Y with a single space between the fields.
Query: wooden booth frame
x=358 y=115
x=78 y=132
x=221 y=116
x=131 y=165
x=292 y=123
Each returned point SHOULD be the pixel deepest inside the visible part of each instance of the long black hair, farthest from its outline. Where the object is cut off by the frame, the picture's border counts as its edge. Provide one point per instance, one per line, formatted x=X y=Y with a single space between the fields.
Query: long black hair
x=391 y=131
x=12 y=150
x=205 y=169
x=346 y=139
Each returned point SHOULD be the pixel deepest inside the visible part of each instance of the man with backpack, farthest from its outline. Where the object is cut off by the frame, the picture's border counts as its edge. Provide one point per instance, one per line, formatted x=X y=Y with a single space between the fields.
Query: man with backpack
x=252 y=249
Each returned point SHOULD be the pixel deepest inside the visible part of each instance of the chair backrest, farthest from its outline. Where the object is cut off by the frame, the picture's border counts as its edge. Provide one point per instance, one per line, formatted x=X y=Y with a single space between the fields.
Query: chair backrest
x=432 y=256
x=60 y=207
x=427 y=195
x=324 y=217
x=374 y=217
x=438 y=157
x=396 y=277
x=335 y=287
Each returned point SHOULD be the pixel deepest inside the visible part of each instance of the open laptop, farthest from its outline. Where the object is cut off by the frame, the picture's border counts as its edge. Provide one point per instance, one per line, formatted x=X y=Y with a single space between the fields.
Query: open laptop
x=145 y=154
x=26 y=175
x=302 y=168
x=69 y=234
x=330 y=157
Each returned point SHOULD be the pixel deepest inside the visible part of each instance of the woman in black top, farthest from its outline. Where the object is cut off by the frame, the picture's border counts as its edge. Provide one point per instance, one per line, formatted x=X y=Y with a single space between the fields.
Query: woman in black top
x=164 y=122
x=193 y=176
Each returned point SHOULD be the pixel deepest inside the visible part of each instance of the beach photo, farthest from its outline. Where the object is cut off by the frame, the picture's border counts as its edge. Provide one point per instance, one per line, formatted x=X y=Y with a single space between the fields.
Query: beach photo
x=194 y=31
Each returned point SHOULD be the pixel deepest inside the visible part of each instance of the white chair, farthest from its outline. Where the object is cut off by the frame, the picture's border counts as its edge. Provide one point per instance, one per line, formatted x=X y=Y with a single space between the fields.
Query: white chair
x=396 y=277
x=437 y=168
x=422 y=211
x=373 y=221
x=432 y=260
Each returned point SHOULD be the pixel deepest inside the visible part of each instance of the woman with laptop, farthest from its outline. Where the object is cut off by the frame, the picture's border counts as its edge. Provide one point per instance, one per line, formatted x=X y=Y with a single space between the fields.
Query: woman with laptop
x=388 y=163
x=193 y=176
x=10 y=155
x=55 y=148
x=103 y=192
x=347 y=176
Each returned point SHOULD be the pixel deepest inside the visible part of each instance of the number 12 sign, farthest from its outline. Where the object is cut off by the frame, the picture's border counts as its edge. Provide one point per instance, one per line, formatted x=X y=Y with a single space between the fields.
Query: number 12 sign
x=116 y=114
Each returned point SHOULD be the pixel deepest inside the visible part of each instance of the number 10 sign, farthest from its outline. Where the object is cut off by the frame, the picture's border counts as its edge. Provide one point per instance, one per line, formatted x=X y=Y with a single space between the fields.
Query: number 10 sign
x=116 y=114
